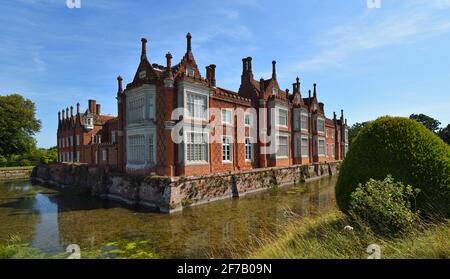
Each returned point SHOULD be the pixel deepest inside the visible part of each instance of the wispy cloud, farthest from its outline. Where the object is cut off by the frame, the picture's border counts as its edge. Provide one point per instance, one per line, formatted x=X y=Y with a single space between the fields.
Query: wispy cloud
x=377 y=28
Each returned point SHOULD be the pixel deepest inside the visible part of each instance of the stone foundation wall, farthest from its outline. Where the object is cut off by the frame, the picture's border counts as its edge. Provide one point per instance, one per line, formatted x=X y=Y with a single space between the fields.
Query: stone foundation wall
x=169 y=194
x=14 y=174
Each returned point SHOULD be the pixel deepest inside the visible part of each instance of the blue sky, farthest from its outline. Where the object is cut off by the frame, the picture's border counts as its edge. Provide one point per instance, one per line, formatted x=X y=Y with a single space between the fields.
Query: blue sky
x=370 y=62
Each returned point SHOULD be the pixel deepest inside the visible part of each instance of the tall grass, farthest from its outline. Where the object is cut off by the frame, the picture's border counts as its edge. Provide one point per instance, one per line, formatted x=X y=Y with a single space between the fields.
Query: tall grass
x=324 y=237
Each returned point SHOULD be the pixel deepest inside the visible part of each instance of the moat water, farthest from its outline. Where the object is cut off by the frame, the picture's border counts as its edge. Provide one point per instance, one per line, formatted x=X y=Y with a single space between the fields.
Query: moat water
x=50 y=221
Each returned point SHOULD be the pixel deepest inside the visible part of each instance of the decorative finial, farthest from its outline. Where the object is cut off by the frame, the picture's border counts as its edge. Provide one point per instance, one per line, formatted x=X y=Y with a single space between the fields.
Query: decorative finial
x=144 y=49
x=274 y=69
x=189 y=46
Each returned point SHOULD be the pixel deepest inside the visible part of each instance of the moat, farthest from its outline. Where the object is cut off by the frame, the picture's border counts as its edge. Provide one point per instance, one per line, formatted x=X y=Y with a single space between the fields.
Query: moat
x=51 y=221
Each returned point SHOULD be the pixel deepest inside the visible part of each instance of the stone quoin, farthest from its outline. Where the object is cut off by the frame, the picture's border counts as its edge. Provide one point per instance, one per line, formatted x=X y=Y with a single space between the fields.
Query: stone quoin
x=139 y=140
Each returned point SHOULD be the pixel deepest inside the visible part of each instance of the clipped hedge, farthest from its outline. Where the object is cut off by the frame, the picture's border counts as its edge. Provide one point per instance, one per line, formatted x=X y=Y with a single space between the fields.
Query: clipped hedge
x=409 y=152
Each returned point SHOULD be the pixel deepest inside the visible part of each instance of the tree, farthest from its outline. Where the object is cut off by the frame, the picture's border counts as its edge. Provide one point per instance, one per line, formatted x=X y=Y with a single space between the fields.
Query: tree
x=18 y=125
x=354 y=129
x=429 y=122
x=445 y=134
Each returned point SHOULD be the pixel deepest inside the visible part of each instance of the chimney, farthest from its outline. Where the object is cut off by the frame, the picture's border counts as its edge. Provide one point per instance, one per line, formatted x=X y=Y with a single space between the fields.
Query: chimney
x=211 y=74
x=169 y=61
x=188 y=41
x=261 y=85
x=309 y=94
x=59 y=116
x=296 y=86
x=78 y=108
x=92 y=106
x=334 y=115
x=119 y=85
x=342 y=114
x=315 y=90
x=249 y=65
x=98 y=109
x=67 y=113
x=274 y=70
x=144 y=49
x=71 y=110
x=63 y=115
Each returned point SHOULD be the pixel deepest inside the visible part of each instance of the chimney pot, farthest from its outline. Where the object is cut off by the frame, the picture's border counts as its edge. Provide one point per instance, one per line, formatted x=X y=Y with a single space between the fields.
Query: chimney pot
x=78 y=108
x=119 y=85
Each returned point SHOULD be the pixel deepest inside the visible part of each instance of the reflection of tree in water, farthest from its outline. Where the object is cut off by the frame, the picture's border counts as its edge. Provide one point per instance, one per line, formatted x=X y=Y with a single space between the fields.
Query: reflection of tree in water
x=18 y=216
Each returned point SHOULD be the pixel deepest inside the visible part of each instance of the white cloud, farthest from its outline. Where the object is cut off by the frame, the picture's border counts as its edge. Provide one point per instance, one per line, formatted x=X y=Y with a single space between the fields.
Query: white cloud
x=377 y=28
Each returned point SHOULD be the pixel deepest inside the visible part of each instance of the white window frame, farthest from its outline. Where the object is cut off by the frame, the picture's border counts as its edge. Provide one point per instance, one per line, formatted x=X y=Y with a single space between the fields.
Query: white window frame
x=250 y=120
x=302 y=116
x=319 y=140
x=113 y=137
x=321 y=119
x=228 y=122
x=104 y=155
x=227 y=143
x=197 y=149
x=278 y=117
x=196 y=105
x=275 y=91
x=249 y=149
x=278 y=155
x=304 y=154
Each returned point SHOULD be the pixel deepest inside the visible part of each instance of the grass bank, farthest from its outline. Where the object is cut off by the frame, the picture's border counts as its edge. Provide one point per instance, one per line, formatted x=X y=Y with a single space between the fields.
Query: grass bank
x=324 y=237
x=16 y=168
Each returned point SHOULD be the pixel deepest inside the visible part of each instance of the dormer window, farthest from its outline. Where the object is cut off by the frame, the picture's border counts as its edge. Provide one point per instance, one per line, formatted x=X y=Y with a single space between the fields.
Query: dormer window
x=190 y=72
x=275 y=91
x=142 y=74
x=89 y=122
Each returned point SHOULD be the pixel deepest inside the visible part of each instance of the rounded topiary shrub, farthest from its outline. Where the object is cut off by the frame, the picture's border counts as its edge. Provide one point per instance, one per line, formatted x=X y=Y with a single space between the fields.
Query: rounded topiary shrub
x=409 y=152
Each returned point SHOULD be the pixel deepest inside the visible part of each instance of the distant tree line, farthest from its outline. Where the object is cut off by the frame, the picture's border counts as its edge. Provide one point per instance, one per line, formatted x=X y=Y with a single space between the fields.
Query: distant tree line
x=429 y=122
x=18 y=126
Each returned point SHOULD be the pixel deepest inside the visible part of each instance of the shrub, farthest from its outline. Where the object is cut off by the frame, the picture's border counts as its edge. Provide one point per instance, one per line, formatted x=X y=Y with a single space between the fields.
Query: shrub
x=386 y=206
x=407 y=150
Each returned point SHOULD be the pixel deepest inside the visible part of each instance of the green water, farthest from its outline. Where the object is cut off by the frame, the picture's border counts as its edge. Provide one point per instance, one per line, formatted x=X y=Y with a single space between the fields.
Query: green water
x=51 y=221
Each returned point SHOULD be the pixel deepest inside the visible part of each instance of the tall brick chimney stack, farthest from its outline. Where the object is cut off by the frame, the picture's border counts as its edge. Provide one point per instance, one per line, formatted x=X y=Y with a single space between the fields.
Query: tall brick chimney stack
x=71 y=111
x=211 y=74
x=144 y=49
x=119 y=85
x=63 y=115
x=59 y=116
x=315 y=91
x=169 y=65
x=92 y=106
x=98 y=109
x=78 y=108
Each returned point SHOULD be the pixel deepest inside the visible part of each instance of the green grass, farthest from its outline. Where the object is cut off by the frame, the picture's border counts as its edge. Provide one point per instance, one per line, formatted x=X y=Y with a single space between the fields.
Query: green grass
x=17 y=168
x=324 y=237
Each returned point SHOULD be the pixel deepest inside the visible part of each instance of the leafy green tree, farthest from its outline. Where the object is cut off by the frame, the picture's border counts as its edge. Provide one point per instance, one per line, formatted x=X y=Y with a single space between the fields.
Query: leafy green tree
x=354 y=129
x=429 y=122
x=18 y=125
x=445 y=134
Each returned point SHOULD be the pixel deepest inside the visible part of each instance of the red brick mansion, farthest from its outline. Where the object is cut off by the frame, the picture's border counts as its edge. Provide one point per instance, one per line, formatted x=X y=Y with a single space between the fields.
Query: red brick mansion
x=218 y=130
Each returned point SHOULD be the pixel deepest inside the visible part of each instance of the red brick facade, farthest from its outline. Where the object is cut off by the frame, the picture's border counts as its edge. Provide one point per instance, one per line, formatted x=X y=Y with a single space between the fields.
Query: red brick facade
x=259 y=126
